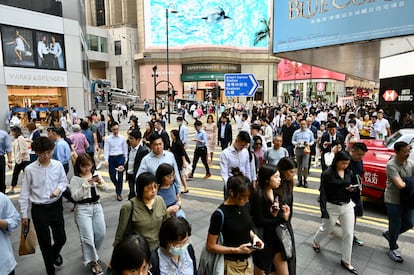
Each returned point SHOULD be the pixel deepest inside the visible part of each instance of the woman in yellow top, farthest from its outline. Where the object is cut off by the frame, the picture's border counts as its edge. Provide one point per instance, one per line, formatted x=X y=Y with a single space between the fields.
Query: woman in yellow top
x=366 y=127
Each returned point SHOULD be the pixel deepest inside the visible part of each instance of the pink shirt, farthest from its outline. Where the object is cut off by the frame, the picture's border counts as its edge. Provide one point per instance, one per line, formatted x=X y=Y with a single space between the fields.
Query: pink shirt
x=80 y=142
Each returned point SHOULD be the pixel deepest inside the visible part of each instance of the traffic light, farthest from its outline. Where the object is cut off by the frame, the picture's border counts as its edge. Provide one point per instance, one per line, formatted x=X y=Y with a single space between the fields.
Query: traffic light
x=109 y=96
x=293 y=92
x=214 y=94
x=174 y=94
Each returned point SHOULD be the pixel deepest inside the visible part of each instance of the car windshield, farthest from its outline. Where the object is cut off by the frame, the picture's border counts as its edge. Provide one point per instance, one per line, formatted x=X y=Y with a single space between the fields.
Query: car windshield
x=390 y=142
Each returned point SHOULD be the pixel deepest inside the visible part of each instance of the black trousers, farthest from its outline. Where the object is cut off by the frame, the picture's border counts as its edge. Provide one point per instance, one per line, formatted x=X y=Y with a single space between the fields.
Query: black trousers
x=131 y=183
x=2 y=174
x=200 y=152
x=16 y=171
x=48 y=217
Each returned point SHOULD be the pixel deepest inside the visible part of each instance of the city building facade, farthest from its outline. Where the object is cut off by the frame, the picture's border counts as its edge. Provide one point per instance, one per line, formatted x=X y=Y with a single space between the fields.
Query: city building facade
x=43 y=58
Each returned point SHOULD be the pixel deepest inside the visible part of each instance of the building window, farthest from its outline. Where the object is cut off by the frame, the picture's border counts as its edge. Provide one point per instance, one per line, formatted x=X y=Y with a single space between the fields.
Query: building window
x=119 y=79
x=103 y=45
x=100 y=12
x=118 y=48
x=97 y=43
x=93 y=43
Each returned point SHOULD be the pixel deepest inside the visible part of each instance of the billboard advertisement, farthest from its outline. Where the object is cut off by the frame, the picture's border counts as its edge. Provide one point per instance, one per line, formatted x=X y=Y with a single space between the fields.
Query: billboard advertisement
x=291 y=70
x=32 y=49
x=304 y=24
x=207 y=22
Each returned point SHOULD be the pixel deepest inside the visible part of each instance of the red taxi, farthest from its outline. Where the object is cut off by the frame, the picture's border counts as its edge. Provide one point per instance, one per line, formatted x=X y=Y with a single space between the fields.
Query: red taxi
x=375 y=162
x=406 y=135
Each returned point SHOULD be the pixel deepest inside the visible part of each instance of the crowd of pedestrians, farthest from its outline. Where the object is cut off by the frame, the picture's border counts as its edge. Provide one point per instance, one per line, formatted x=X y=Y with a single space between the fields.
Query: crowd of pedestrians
x=273 y=144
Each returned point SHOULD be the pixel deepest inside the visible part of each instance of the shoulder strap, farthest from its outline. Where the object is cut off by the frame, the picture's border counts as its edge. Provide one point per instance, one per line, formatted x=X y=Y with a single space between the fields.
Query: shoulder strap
x=222 y=218
x=128 y=229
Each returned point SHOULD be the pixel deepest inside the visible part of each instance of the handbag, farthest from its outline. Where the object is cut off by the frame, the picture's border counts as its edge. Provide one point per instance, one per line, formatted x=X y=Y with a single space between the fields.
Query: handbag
x=27 y=239
x=283 y=234
x=129 y=230
x=307 y=149
x=212 y=263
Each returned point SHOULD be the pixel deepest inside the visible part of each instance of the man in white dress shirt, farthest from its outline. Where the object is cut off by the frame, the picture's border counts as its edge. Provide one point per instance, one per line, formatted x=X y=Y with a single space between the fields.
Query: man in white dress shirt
x=236 y=156
x=43 y=183
x=244 y=124
x=115 y=154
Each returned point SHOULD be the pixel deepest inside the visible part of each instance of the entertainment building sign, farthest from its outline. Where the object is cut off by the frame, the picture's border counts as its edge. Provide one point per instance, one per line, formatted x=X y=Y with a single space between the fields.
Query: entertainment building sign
x=304 y=24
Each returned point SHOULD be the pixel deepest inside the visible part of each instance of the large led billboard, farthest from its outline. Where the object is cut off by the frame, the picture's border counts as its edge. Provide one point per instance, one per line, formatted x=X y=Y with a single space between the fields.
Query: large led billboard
x=32 y=48
x=205 y=22
x=304 y=24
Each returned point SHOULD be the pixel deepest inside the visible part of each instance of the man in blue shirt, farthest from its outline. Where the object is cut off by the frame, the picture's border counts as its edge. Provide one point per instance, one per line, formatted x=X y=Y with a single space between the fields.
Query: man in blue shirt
x=201 y=149
x=61 y=152
x=5 y=148
x=302 y=140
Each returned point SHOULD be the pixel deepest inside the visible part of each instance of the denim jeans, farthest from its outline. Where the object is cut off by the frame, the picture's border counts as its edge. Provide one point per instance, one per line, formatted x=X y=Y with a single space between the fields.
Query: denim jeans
x=400 y=219
x=91 y=225
x=116 y=176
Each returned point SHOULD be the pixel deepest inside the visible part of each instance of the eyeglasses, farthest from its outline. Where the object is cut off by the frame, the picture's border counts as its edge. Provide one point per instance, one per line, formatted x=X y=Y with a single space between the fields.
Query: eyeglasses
x=258 y=144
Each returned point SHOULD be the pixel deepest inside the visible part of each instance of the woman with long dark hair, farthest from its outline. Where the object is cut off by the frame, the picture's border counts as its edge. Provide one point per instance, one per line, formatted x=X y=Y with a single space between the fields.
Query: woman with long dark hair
x=269 y=210
x=177 y=148
x=89 y=217
x=337 y=184
x=149 y=130
x=238 y=241
x=288 y=168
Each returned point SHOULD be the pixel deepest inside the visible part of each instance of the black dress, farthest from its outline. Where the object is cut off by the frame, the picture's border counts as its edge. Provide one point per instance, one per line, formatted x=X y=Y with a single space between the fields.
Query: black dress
x=178 y=150
x=266 y=224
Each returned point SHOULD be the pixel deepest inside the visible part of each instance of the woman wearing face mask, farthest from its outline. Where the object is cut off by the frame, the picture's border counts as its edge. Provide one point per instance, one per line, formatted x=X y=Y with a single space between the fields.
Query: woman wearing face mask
x=175 y=254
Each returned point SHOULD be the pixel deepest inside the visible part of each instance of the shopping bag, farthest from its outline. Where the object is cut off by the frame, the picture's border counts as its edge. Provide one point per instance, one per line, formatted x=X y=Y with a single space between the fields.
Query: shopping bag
x=27 y=239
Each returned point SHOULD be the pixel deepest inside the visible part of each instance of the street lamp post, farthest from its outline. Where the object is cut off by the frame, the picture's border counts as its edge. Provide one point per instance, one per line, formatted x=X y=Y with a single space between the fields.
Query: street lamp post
x=169 y=9
x=155 y=75
x=132 y=62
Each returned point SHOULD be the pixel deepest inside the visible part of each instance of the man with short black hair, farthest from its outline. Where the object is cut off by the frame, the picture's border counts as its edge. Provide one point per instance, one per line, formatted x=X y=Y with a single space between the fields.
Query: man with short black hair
x=302 y=140
x=224 y=130
x=399 y=216
x=115 y=154
x=357 y=167
x=157 y=156
x=136 y=152
x=236 y=155
x=45 y=194
x=164 y=135
x=200 y=149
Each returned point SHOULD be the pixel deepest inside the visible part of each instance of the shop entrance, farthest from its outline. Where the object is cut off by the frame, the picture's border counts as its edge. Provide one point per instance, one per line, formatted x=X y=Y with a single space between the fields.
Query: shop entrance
x=44 y=100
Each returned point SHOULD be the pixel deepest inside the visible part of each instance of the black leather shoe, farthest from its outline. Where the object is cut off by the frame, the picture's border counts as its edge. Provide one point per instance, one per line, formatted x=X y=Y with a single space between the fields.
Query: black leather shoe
x=351 y=270
x=58 y=260
x=299 y=184
x=305 y=184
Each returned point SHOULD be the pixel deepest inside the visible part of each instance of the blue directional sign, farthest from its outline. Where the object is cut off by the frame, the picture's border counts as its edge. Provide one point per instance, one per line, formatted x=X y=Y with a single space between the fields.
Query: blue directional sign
x=240 y=85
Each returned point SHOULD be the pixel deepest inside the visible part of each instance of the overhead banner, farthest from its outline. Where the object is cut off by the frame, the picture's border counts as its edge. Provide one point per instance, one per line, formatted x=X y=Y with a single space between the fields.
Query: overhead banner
x=304 y=24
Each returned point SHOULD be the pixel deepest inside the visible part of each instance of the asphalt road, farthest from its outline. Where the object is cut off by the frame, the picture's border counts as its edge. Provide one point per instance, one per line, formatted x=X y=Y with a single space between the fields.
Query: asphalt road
x=204 y=196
